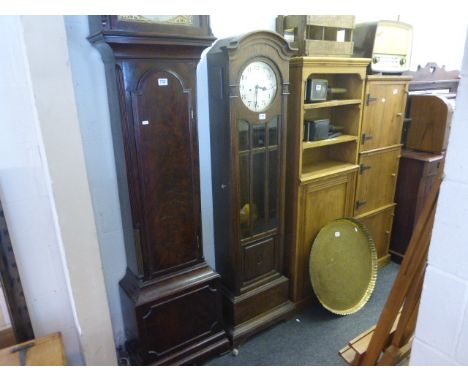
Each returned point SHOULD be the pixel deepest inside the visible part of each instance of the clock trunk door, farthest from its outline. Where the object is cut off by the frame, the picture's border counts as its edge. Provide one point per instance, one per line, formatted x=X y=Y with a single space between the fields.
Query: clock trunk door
x=259 y=184
x=166 y=147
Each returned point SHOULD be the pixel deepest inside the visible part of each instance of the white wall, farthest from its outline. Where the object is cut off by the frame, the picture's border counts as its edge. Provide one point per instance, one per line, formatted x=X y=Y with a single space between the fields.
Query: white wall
x=44 y=188
x=26 y=198
x=93 y=113
x=441 y=336
x=53 y=91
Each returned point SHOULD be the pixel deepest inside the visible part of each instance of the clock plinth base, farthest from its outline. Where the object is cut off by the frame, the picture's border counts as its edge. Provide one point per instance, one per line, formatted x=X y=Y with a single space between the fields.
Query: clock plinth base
x=174 y=320
x=256 y=310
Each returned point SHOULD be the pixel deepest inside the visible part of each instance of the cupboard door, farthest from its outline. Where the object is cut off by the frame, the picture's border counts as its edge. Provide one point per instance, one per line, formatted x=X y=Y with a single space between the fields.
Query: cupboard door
x=168 y=185
x=379 y=225
x=320 y=202
x=376 y=180
x=383 y=115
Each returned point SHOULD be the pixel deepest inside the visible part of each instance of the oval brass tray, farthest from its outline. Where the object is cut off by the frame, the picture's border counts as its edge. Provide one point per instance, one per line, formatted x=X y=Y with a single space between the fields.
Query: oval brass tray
x=343 y=266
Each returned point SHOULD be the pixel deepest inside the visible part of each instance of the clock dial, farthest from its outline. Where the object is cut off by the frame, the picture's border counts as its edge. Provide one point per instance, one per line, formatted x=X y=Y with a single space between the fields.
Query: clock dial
x=257 y=86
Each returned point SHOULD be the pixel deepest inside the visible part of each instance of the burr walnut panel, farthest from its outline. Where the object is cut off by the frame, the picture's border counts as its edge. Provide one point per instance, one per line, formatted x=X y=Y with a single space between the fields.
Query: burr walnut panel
x=162 y=136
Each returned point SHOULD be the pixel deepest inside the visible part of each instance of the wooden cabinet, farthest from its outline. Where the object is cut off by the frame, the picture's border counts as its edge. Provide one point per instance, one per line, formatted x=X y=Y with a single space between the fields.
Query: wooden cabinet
x=171 y=298
x=321 y=174
x=384 y=111
x=248 y=91
x=418 y=171
x=379 y=156
x=320 y=201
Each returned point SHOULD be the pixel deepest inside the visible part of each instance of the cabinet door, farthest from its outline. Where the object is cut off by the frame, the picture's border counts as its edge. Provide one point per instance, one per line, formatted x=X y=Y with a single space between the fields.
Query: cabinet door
x=167 y=175
x=376 y=180
x=320 y=202
x=383 y=115
x=259 y=177
x=379 y=225
x=259 y=186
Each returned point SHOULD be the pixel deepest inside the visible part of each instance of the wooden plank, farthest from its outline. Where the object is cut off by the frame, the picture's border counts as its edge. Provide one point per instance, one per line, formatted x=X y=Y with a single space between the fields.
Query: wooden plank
x=46 y=351
x=7 y=337
x=332 y=103
x=330 y=141
x=415 y=258
x=332 y=21
x=325 y=168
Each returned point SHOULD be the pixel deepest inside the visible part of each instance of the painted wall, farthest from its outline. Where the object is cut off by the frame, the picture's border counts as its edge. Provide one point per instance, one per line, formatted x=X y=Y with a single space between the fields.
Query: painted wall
x=55 y=105
x=89 y=81
x=27 y=199
x=93 y=113
x=45 y=193
x=441 y=336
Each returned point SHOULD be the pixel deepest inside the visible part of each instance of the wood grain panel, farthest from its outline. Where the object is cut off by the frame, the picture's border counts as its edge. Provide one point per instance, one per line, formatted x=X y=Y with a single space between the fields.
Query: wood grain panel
x=377 y=180
x=160 y=322
x=163 y=134
x=431 y=116
x=320 y=202
x=43 y=351
x=383 y=114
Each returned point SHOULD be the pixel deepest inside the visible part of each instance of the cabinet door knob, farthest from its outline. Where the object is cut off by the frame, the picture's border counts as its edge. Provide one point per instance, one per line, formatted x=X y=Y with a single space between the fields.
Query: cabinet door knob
x=393 y=174
x=399 y=114
x=223 y=186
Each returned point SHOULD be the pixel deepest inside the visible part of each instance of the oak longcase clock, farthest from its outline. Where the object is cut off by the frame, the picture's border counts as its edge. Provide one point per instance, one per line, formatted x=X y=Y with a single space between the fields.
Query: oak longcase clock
x=170 y=297
x=248 y=88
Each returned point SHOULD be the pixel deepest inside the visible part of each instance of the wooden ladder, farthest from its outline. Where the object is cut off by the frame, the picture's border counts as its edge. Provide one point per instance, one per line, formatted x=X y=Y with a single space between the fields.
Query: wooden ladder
x=389 y=342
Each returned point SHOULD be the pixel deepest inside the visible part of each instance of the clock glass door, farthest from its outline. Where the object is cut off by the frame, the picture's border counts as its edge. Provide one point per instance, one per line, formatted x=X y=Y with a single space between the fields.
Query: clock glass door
x=258 y=177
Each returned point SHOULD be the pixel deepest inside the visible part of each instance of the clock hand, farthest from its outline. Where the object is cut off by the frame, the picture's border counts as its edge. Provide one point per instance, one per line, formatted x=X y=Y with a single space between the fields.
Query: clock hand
x=256 y=94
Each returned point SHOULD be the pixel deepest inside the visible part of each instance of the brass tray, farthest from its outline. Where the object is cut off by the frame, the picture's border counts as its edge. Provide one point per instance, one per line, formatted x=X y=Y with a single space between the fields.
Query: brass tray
x=343 y=266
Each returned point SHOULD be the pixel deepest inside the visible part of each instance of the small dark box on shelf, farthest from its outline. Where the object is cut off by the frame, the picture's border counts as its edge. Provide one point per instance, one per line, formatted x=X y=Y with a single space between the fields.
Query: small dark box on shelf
x=316 y=130
x=316 y=90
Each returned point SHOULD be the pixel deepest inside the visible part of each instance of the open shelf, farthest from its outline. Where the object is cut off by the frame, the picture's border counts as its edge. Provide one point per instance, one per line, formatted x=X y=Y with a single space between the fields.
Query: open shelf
x=331 y=103
x=330 y=141
x=325 y=168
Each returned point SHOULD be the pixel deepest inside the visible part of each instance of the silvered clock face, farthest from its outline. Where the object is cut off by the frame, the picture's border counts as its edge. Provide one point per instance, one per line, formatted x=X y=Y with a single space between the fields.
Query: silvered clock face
x=257 y=86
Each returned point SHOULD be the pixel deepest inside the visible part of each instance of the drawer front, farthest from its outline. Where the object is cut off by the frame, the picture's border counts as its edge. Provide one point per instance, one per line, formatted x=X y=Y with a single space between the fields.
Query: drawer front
x=259 y=259
x=376 y=180
x=379 y=225
x=383 y=115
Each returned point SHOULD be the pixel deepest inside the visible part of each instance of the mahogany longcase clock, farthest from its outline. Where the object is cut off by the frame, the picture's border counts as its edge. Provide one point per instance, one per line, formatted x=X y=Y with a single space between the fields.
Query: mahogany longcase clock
x=170 y=297
x=248 y=88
